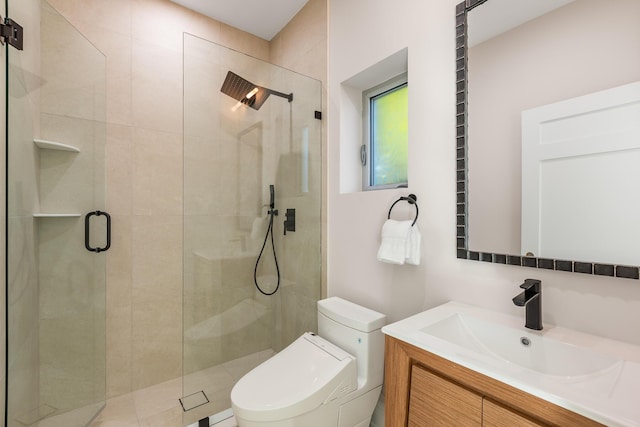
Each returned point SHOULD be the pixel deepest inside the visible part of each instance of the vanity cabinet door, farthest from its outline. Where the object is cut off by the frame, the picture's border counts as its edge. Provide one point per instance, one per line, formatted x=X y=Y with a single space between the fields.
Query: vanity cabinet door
x=495 y=415
x=435 y=401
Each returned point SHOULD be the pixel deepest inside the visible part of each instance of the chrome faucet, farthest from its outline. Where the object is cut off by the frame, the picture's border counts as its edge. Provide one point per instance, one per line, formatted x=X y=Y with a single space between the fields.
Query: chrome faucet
x=531 y=300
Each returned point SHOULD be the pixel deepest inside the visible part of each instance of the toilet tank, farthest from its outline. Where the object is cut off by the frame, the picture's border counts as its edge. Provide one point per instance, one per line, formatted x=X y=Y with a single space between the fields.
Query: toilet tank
x=357 y=330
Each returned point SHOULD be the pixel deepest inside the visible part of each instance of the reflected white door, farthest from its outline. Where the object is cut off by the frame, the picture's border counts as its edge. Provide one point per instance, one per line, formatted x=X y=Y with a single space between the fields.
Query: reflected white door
x=581 y=178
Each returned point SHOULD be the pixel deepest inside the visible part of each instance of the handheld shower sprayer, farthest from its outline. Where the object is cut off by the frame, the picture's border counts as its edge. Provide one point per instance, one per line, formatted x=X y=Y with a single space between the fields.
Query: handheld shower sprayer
x=272 y=196
x=271 y=212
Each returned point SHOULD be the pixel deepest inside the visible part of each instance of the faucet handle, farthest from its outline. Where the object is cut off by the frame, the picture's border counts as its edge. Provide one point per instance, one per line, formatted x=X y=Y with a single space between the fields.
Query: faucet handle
x=531 y=285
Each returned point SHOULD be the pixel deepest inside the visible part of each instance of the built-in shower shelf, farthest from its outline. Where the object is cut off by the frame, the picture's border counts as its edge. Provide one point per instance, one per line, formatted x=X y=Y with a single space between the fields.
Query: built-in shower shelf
x=53 y=145
x=55 y=215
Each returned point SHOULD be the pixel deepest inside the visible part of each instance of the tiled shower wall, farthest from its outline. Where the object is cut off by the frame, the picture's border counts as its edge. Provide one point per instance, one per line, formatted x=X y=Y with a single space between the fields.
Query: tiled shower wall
x=22 y=278
x=302 y=47
x=142 y=41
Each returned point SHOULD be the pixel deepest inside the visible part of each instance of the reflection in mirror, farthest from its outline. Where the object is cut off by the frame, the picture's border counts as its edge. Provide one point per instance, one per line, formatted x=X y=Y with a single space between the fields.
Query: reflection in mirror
x=568 y=190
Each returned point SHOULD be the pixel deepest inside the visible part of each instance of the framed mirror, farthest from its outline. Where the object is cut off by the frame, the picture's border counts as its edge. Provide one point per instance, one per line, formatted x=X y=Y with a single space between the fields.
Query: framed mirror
x=548 y=134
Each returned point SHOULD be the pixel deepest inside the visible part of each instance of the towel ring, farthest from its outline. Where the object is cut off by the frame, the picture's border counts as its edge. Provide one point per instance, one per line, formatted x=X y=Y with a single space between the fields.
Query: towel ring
x=413 y=200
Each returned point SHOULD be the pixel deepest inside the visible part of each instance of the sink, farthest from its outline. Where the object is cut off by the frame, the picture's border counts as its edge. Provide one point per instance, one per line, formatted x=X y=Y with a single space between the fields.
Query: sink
x=594 y=376
x=528 y=350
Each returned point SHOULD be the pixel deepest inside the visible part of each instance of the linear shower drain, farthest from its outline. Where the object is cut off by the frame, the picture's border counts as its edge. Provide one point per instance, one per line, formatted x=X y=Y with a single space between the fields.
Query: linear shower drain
x=193 y=401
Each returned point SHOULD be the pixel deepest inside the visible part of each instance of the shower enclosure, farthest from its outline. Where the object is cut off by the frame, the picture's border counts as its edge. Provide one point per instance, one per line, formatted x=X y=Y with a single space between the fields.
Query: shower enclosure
x=57 y=229
x=55 y=306
x=235 y=148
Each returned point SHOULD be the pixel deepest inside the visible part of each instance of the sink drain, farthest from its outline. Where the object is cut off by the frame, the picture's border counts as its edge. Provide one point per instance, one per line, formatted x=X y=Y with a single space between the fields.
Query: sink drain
x=525 y=341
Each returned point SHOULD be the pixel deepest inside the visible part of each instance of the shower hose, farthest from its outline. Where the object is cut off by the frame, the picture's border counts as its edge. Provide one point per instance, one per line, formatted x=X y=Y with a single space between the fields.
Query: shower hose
x=272 y=213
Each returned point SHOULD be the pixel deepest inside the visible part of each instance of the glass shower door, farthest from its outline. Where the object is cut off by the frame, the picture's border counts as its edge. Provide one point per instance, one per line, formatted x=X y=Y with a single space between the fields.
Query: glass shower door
x=56 y=226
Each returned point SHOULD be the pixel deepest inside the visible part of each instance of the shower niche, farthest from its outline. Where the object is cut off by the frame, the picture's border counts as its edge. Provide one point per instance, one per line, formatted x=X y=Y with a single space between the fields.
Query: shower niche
x=50 y=152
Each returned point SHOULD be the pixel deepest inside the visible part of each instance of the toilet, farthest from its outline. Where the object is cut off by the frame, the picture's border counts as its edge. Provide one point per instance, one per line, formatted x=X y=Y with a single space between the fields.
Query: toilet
x=332 y=378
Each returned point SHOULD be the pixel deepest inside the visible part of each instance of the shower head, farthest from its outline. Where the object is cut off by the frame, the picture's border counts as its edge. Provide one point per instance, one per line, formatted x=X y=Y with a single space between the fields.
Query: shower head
x=248 y=93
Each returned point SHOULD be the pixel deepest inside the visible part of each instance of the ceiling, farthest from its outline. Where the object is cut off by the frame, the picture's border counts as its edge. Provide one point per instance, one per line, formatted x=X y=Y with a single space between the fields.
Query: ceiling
x=262 y=18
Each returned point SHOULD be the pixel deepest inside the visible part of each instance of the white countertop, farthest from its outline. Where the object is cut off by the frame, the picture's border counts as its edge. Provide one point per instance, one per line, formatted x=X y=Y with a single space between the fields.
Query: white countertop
x=610 y=396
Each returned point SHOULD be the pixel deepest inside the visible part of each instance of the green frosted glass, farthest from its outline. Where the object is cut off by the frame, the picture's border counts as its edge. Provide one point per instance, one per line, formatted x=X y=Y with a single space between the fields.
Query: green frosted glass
x=389 y=137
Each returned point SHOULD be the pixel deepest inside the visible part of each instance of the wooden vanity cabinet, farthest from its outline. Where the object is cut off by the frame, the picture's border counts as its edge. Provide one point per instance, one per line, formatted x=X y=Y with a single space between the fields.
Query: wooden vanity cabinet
x=422 y=389
x=434 y=400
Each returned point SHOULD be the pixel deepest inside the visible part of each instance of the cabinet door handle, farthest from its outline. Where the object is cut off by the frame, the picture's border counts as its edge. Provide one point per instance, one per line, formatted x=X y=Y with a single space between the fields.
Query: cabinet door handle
x=87 y=232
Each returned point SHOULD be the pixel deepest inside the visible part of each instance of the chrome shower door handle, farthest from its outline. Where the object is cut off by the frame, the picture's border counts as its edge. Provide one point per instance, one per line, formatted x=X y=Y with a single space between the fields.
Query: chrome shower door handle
x=87 y=232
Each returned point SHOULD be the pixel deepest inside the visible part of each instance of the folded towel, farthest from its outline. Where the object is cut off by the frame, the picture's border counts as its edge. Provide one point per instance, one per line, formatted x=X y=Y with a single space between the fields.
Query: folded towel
x=395 y=238
x=414 y=241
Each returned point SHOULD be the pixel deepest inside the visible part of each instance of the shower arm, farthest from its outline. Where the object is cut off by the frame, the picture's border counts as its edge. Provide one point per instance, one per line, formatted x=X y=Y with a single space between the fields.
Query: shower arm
x=288 y=96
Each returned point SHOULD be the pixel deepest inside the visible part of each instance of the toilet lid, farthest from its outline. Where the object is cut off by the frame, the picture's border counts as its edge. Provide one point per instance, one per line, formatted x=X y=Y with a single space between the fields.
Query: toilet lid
x=300 y=378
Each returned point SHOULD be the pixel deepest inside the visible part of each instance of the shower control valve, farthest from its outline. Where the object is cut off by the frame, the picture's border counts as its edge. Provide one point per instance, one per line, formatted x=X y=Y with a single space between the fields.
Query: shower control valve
x=290 y=221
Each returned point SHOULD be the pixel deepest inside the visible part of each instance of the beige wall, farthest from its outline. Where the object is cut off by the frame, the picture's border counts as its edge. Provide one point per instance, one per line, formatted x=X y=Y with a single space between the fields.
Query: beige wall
x=302 y=47
x=22 y=194
x=142 y=40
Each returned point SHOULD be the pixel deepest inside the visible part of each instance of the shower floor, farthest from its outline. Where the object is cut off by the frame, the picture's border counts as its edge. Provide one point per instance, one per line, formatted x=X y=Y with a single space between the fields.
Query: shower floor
x=159 y=405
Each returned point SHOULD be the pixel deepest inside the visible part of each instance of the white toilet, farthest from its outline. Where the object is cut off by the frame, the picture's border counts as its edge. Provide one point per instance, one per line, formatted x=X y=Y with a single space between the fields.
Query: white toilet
x=330 y=379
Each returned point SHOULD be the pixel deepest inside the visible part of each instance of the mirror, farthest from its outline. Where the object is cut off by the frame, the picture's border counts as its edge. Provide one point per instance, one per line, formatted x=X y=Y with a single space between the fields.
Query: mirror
x=548 y=134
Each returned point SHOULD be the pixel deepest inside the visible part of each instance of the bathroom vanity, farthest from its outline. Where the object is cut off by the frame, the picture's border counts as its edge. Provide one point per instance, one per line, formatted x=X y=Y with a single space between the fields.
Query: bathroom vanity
x=466 y=366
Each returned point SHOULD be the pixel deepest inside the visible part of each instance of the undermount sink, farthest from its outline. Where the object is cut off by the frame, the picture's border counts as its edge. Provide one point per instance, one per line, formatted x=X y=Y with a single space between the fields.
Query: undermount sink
x=528 y=350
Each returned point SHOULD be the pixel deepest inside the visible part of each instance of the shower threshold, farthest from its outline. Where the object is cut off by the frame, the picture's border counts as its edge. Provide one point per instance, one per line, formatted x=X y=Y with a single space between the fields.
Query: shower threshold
x=221 y=419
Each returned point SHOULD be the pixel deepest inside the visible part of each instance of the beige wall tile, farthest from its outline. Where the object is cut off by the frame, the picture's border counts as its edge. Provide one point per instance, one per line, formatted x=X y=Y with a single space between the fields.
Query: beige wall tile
x=244 y=42
x=119 y=351
x=119 y=170
x=119 y=327
x=116 y=47
x=114 y=15
x=21 y=264
x=159 y=22
x=107 y=25
x=156 y=299
x=301 y=45
x=205 y=28
x=157 y=173
x=156 y=87
x=157 y=253
x=23 y=299
x=73 y=67
x=66 y=182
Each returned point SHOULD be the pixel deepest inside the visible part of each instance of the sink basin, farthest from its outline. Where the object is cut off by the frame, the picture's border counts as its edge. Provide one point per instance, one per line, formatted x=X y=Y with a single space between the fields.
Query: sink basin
x=591 y=375
x=528 y=350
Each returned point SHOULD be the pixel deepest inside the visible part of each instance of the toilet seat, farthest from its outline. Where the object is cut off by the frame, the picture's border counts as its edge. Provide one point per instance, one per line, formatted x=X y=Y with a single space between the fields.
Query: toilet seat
x=309 y=372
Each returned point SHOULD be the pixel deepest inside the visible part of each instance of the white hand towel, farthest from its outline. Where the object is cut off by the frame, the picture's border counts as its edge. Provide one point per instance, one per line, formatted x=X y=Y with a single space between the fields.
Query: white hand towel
x=395 y=237
x=413 y=246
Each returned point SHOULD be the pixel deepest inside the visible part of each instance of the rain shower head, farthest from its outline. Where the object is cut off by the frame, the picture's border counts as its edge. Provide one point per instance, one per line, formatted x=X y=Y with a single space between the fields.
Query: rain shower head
x=247 y=93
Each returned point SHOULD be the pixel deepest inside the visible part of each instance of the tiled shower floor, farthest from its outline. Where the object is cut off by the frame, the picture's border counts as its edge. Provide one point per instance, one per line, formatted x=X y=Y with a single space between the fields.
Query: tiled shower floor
x=159 y=405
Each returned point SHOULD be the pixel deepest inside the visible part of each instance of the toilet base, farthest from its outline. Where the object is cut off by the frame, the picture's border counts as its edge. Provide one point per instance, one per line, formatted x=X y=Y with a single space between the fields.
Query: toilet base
x=356 y=412
x=322 y=416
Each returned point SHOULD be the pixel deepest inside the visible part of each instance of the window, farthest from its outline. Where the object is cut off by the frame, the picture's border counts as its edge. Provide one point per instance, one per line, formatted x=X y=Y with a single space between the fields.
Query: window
x=384 y=153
